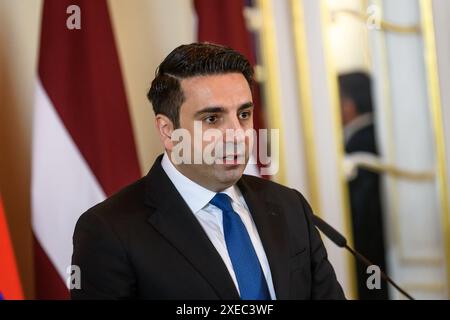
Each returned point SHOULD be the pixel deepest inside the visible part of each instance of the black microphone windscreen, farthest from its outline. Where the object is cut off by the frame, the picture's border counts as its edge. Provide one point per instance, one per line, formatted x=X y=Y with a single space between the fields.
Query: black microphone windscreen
x=330 y=232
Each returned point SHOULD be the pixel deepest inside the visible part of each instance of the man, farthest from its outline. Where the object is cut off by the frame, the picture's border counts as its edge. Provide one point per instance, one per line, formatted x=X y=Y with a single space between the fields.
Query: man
x=364 y=189
x=202 y=230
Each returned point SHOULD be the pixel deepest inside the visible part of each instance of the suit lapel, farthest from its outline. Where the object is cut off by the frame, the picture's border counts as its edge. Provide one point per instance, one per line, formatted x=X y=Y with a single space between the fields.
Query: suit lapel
x=178 y=225
x=272 y=231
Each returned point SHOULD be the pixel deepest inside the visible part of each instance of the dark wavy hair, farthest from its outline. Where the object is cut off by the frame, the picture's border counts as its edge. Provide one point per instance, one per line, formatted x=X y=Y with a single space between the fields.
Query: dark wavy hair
x=195 y=59
x=358 y=87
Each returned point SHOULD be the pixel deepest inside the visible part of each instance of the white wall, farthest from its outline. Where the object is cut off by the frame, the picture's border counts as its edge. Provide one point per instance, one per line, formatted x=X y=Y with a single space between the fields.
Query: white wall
x=415 y=245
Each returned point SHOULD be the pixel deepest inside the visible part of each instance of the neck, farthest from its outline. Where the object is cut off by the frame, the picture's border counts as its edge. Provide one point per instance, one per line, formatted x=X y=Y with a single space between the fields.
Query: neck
x=190 y=172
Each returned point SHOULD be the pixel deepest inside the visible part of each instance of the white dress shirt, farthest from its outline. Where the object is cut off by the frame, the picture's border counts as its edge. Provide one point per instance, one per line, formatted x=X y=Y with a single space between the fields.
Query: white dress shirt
x=210 y=218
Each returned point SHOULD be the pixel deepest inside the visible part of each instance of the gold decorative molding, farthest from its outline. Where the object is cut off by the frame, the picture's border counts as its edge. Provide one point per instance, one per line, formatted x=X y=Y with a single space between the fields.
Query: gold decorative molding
x=427 y=287
x=271 y=80
x=305 y=107
x=374 y=163
x=332 y=84
x=403 y=258
x=383 y=24
x=438 y=130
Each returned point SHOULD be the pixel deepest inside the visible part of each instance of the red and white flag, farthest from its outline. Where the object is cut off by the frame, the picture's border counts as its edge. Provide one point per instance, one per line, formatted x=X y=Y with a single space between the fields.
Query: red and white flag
x=83 y=145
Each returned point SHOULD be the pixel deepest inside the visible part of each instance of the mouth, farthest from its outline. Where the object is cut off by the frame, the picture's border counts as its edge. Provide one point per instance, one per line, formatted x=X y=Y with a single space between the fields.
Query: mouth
x=234 y=159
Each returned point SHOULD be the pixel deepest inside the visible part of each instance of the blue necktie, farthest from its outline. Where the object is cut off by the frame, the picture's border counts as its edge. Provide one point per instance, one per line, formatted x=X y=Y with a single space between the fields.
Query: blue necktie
x=250 y=277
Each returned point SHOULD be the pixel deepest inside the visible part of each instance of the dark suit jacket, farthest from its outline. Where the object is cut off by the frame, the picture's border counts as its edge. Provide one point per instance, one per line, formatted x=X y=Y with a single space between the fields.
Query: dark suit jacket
x=145 y=243
x=367 y=214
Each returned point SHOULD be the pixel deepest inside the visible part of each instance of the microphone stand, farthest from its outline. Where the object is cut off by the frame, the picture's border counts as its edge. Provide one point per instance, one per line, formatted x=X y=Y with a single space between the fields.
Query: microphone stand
x=341 y=242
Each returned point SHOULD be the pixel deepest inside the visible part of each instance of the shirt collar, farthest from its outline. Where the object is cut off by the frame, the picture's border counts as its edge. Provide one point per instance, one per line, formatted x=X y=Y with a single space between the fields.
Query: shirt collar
x=195 y=195
x=235 y=195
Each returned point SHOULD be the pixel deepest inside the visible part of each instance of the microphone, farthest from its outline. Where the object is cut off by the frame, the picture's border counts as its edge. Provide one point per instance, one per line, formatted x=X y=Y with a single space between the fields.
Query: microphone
x=341 y=242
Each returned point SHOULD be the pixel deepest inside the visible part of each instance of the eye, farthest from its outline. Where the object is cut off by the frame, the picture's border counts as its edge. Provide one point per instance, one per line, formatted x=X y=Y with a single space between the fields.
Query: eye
x=210 y=119
x=244 y=115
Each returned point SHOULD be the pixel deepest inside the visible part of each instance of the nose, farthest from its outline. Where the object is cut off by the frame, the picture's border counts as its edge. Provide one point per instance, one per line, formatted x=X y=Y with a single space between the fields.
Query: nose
x=234 y=124
x=234 y=131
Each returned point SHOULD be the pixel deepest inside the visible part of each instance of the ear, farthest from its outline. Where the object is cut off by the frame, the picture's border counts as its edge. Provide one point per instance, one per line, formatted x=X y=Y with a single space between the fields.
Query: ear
x=165 y=127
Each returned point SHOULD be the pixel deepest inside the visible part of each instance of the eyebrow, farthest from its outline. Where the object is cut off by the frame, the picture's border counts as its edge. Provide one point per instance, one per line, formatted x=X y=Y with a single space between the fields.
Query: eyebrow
x=219 y=109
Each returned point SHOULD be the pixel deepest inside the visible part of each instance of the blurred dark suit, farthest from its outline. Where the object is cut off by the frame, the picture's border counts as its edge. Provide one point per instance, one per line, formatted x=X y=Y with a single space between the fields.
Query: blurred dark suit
x=367 y=217
x=364 y=190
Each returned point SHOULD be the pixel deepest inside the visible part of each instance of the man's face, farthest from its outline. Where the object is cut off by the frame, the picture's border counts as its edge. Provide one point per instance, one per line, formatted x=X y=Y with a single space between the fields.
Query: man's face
x=348 y=110
x=222 y=102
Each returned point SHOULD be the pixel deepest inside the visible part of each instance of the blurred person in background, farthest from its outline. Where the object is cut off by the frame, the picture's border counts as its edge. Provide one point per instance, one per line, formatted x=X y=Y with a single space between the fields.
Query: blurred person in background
x=364 y=188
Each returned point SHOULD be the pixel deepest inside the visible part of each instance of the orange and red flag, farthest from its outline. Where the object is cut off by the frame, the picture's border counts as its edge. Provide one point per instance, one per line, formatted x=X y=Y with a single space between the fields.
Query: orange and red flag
x=10 y=287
